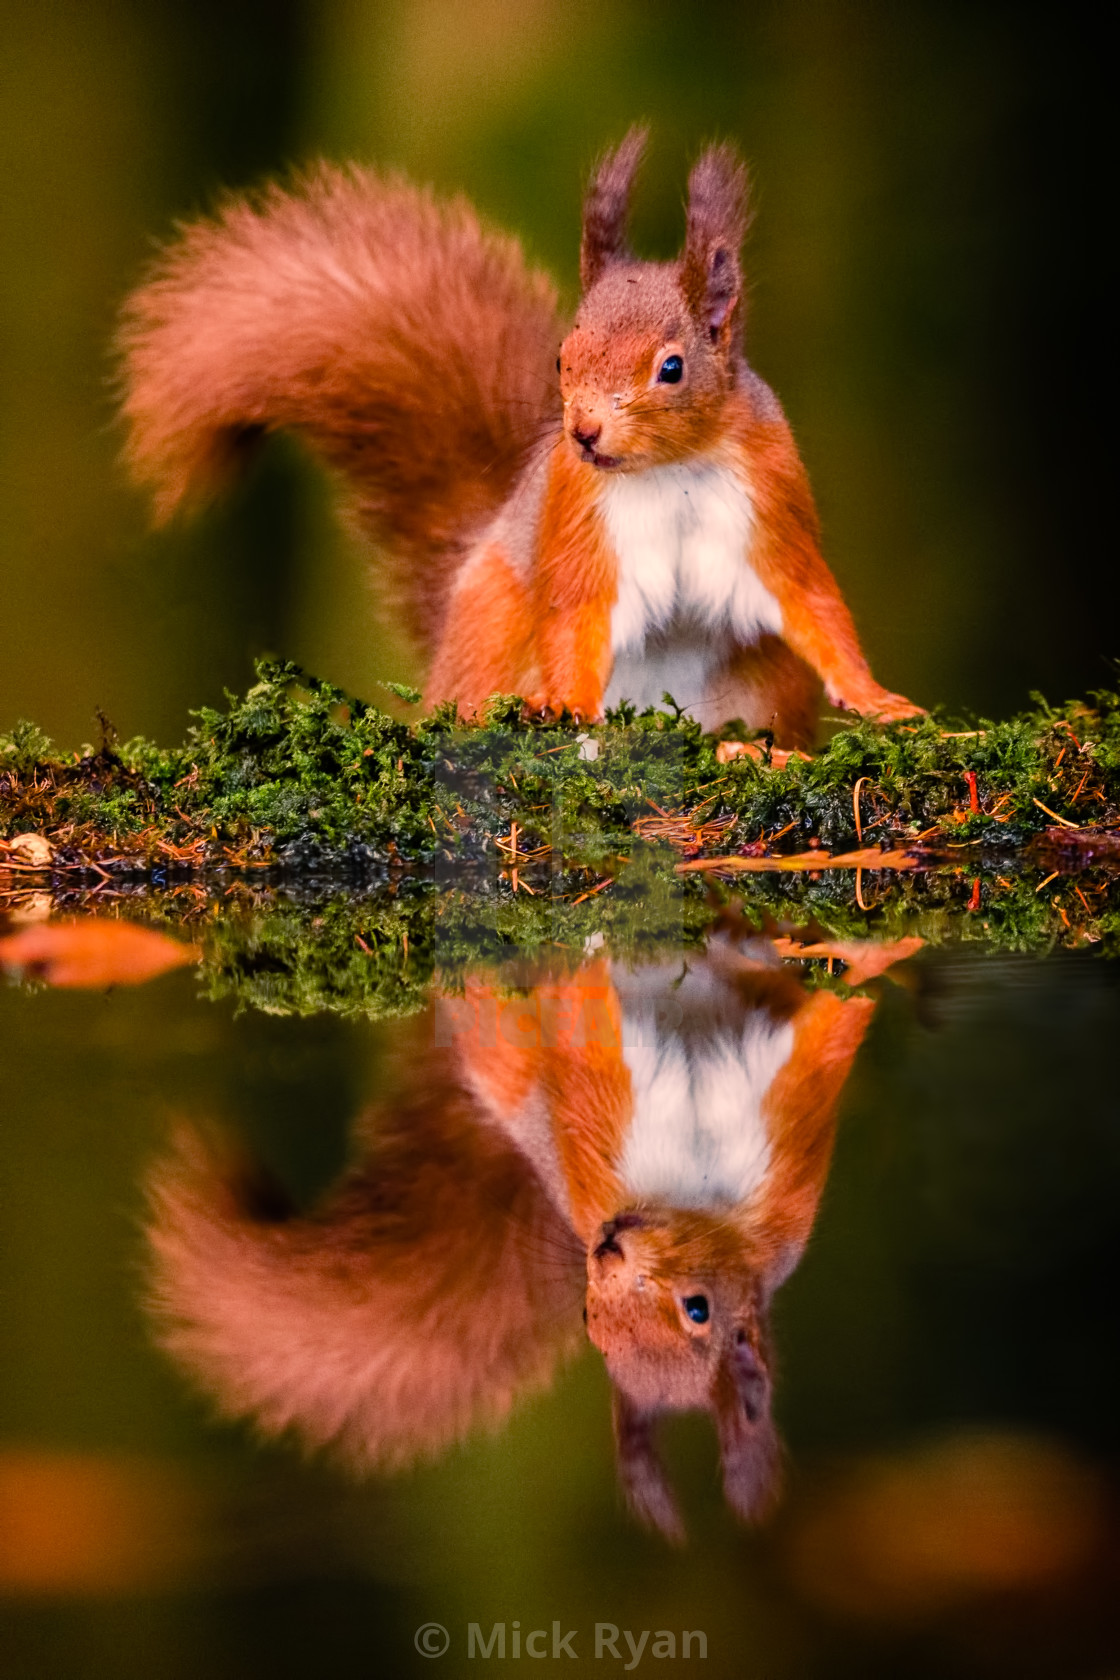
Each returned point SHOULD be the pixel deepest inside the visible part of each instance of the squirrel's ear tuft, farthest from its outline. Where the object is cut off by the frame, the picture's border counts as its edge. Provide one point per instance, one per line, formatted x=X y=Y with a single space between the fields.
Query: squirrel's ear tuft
x=641 y=1472
x=715 y=230
x=606 y=207
x=750 y=1449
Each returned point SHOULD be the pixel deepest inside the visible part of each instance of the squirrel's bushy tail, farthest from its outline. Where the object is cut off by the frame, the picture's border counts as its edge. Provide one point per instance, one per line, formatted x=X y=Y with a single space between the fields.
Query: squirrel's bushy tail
x=418 y=1301
x=413 y=349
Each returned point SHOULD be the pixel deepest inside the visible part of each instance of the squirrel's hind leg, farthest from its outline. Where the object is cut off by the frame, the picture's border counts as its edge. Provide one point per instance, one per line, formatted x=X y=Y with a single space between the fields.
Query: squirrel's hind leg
x=767 y=686
x=485 y=644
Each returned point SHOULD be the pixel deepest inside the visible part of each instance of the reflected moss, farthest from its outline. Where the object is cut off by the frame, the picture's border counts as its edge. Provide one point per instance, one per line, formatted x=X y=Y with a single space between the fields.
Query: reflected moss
x=374 y=949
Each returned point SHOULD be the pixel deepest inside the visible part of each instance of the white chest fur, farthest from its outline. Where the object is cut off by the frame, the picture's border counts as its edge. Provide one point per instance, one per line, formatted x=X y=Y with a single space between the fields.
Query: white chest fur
x=698 y=1138
x=686 y=589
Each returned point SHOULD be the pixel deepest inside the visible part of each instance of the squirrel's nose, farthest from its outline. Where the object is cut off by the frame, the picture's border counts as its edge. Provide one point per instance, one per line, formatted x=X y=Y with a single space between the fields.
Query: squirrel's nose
x=587 y=434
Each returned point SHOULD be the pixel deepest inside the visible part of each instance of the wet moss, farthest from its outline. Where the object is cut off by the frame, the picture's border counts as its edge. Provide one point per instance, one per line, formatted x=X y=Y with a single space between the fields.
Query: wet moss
x=298 y=772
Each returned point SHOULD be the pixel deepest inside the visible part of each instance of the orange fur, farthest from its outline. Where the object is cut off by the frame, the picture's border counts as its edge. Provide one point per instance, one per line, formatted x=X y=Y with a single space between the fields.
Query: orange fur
x=575 y=588
x=778 y=688
x=817 y=624
x=801 y=1112
x=561 y=1041
x=415 y=351
x=491 y=649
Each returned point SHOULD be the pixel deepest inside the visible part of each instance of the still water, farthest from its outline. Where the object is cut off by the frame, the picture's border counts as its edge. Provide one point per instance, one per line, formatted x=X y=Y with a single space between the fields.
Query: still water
x=711 y=1313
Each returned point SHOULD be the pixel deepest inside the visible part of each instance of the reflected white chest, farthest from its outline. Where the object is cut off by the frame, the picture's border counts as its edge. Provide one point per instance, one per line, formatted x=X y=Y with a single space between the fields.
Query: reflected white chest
x=698 y=1137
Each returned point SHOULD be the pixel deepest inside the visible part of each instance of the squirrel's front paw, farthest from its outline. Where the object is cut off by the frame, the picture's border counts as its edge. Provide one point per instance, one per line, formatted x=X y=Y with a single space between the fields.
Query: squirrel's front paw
x=540 y=709
x=879 y=704
x=892 y=708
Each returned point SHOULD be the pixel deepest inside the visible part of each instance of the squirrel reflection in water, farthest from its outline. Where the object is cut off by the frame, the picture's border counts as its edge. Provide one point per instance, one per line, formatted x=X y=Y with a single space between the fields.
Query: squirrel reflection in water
x=649 y=1145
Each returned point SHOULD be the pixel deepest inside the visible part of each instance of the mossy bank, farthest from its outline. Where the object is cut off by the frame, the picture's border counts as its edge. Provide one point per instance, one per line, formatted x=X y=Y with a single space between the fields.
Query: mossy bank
x=297 y=774
x=328 y=852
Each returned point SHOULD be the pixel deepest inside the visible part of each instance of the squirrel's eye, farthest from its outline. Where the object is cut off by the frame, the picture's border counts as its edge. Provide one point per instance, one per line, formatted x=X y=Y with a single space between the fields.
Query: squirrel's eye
x=696 y=1306
x=669 y=373
x=558 y=364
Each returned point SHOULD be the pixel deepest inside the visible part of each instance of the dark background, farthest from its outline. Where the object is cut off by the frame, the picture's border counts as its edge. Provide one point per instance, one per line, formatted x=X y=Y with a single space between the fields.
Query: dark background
x=931 y=294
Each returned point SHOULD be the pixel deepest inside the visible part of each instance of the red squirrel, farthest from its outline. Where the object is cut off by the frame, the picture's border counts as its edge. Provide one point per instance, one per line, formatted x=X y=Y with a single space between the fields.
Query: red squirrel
x=627 y=518
x=655 y=1141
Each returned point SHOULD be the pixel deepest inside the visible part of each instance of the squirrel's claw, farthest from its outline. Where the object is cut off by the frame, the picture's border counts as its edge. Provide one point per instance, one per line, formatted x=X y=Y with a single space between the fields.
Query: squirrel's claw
x=538 y=710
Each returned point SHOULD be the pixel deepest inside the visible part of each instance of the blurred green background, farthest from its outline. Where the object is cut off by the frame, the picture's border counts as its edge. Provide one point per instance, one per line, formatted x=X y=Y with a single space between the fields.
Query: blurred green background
x=929 y=285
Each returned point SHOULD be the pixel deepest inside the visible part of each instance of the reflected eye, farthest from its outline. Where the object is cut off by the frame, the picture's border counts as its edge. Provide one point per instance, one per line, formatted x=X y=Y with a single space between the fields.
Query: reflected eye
x=558 y=364
x=670 y=373
x=696 y=1306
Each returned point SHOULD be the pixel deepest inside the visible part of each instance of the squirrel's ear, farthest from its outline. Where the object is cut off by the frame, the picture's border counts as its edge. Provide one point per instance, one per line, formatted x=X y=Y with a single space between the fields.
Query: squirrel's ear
x=641 y=1472
x=784 y=1263
x=606 y=207
x=714 y=233
x=750 y=1450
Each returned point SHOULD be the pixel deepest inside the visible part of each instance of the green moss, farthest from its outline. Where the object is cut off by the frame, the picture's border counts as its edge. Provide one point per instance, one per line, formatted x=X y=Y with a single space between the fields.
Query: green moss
x=296 y=769
x=23 y=747
x=447 y=844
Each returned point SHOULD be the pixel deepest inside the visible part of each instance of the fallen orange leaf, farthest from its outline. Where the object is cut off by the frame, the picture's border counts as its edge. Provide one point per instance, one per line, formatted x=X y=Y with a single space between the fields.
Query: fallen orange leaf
x=94 y=952
x=779 y=758
x=865 y=958
x=868 y=858
x=30 y=851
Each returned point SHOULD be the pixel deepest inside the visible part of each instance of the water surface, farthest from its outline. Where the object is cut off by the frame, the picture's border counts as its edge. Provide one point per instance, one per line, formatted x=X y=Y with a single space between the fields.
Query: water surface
x=295 y=1361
